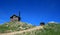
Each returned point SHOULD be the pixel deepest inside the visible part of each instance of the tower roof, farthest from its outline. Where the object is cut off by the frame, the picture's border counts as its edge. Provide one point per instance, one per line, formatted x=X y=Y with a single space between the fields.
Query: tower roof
x=13 y=16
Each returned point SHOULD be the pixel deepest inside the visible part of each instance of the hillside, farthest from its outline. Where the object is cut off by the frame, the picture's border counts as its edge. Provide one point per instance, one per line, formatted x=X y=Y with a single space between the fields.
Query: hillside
x=48 y=29
x=14 y=26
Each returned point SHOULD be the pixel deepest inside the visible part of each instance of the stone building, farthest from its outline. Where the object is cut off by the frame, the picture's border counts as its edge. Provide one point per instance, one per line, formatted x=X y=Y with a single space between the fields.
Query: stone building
x=15 y=17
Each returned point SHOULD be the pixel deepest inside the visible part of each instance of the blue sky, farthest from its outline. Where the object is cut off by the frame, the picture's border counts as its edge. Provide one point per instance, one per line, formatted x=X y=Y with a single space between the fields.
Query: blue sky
x=32 y=11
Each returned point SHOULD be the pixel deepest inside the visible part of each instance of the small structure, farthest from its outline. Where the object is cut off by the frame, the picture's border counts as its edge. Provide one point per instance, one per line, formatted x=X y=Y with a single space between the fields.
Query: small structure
x=15 y=18
x=42 y=25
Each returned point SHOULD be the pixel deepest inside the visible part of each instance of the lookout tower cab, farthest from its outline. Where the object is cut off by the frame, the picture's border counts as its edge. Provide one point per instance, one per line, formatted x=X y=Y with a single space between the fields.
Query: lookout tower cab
x=15 y=18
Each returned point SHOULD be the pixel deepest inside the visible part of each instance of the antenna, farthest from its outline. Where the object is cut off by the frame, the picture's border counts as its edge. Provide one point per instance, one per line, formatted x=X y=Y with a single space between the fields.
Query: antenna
x=19 y=13
x=19 y=16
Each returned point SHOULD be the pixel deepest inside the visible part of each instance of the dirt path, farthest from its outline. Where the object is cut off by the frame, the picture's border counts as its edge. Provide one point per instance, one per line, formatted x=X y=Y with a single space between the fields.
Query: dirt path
x=12 y=33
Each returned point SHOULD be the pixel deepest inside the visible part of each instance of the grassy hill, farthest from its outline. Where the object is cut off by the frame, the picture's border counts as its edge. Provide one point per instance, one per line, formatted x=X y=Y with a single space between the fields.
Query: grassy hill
x=14 y=26
x=49 y=29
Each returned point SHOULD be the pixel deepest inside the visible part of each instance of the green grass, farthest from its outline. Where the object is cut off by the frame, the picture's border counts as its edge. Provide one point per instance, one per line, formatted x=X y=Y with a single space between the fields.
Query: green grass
x=13 y=26
x=49 y=29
